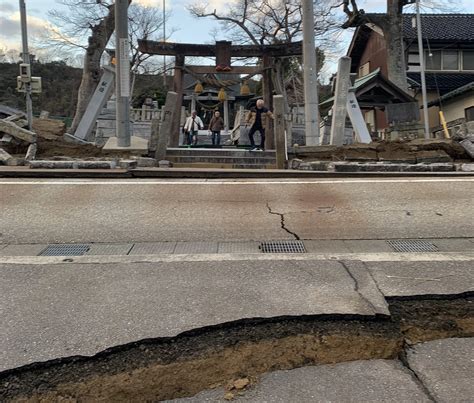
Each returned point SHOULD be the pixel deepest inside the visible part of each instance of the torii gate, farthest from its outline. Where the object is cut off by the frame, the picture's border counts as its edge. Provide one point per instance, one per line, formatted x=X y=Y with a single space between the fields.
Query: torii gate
x=223 y=51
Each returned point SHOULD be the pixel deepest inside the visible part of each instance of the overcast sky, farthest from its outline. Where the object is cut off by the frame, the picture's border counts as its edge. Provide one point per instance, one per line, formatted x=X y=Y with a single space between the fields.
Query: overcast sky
x=188 y=29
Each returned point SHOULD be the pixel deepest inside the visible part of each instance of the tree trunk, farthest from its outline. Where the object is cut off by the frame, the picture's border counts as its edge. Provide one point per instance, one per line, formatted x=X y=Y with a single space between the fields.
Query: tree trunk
x=393 y=31
x=91 y=72
x=391 y=24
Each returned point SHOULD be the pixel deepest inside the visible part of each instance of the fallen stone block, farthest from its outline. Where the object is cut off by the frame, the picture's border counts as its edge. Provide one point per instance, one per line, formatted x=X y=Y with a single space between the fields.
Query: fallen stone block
x=144 y=162
x=18 y=132
x=417 y=168
x=295 y=163
x=319 y=165
x=127 y=164
x=467 y=167
x=31 y=152
x=41 y=164
x=6 y=139
x=4 y=157
x=165 y=164
x=16 y=162
x=345 y=167
x=468 y=145
x=94 y=164
x=442 y=167
x=381 y=167
x=304 y=166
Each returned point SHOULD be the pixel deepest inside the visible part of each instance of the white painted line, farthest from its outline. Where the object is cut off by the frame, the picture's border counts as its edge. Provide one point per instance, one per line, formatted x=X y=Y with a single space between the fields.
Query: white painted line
x=238 y=183
x=220 y=257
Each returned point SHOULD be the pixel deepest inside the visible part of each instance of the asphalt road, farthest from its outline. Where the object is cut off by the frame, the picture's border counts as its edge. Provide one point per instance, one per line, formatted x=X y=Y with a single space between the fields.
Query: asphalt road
x=49 y=211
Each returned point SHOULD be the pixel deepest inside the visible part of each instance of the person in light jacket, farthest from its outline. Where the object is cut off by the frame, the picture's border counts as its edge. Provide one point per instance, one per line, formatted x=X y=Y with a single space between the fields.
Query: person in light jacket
x=191 y=127
x=259 y=120
x=215 y=126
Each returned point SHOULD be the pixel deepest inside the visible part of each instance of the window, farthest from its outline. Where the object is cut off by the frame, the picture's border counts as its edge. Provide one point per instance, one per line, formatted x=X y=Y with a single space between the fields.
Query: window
x=468 y=60
x=450 y=60
x=447 y=60
x=433 y=60
x=364 y=69
x=469 y=113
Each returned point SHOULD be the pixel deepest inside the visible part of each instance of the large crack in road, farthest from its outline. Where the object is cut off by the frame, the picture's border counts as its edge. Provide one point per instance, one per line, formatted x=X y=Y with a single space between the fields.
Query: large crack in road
x=167 y=368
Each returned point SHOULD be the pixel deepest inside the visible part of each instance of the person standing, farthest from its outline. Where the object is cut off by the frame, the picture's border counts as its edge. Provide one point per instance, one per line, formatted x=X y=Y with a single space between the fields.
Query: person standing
x=215 y=126
x=191 y=128
x=259 y=120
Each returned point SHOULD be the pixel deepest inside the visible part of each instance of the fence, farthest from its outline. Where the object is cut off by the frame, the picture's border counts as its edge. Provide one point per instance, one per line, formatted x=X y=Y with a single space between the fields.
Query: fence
x=144 y=114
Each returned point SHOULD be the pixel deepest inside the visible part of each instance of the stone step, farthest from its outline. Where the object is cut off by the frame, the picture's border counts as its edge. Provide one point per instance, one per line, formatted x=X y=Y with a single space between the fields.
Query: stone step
x=222 y=166
x=222 y=160
x=219 y=152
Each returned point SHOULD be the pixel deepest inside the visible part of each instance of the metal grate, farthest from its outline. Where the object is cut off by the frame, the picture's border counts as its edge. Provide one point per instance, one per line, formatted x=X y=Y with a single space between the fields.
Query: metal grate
x=282 y=247
x=415 y=245
x=66 y=250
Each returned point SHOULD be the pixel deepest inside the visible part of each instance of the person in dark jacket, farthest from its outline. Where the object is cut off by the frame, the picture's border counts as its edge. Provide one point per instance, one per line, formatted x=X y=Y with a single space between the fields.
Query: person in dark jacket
x=259 y=120
x=215 y=126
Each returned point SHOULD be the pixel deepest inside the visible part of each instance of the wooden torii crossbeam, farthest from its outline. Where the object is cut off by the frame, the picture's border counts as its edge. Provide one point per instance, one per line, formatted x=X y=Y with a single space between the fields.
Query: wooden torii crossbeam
x=223 y=51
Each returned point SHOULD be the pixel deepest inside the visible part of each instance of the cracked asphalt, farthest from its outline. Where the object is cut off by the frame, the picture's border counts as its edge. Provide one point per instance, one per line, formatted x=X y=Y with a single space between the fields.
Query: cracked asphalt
x=49 y=211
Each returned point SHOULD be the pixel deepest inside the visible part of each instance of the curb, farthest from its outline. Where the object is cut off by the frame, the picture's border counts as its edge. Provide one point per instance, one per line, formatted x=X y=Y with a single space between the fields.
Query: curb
x=207 y=173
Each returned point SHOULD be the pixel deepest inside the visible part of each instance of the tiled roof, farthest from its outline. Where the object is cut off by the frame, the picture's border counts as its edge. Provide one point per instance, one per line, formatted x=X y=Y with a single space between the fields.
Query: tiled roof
x=453 y=94
x=443 y=82
x=441 y=27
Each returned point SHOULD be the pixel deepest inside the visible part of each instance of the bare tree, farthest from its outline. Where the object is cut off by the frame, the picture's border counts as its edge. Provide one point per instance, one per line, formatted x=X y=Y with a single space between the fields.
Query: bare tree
x=95 y=20
x=261 y=22
x=391 y=24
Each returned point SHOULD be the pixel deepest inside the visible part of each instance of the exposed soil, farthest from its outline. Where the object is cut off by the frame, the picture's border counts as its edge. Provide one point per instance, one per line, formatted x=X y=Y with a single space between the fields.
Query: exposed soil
x=158 y=369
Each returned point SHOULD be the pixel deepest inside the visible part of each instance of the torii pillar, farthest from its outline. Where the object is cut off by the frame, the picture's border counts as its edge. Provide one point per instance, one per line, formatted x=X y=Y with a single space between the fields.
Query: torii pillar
x=178 y=88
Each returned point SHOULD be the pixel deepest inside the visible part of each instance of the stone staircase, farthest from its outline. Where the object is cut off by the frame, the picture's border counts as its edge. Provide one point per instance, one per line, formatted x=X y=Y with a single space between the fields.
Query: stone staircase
x=226 y=157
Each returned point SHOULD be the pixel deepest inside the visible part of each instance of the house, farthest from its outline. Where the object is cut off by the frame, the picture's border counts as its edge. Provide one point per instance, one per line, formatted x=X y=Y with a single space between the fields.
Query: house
x=448 y=41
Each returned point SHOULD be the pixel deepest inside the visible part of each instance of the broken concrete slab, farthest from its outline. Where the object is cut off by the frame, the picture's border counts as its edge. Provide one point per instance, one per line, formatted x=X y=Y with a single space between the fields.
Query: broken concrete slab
x=399 y=279
x=356 y=381
x=445 y=367
x=468 y=145
x=4 y=157
x=112 y=304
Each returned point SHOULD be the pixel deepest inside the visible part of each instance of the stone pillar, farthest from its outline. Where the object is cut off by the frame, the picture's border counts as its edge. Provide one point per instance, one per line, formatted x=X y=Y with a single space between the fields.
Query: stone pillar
x=310 y=76
x=170 y=111
x=339 y=109
x=226 y=116
x=267 y=96
x=193 y=102
x=178 y=88
x=279 y=132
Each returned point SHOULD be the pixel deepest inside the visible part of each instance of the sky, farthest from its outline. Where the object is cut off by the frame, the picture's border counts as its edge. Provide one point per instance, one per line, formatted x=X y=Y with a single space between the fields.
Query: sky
x=186 y=28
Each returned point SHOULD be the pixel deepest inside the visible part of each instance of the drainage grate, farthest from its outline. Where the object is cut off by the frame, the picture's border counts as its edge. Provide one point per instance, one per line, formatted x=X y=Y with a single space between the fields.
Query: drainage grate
x=66 y=250
x=415 y=245
x=283 y=247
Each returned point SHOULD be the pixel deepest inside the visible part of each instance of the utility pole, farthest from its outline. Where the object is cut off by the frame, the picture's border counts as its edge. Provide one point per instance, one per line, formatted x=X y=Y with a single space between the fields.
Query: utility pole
x=26 y=65
x=164 y=40
x=122 y=74
x=422 y=72
x=310 y=75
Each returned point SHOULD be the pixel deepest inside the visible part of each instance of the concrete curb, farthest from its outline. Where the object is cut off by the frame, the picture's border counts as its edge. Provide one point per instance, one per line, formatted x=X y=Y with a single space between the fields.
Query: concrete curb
x=206 y=173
